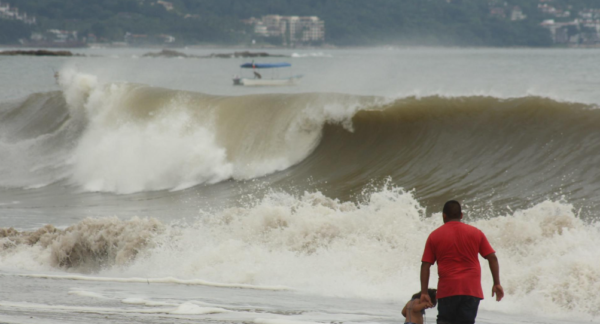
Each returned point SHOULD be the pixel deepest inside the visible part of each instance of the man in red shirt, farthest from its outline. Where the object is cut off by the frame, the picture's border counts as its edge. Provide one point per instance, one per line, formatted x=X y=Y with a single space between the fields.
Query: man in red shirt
x=455 y=246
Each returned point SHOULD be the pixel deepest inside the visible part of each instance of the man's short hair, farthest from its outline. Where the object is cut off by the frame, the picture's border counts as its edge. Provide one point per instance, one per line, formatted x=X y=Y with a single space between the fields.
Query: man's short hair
x=452 y=209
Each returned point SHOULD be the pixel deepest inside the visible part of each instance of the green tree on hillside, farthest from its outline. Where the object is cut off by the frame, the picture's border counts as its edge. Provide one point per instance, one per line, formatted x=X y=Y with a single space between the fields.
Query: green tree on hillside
x=347 y=22
x=11 y=31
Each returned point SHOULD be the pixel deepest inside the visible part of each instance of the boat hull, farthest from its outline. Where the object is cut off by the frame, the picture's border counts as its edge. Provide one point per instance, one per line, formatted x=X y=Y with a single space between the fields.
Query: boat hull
x=266 y=82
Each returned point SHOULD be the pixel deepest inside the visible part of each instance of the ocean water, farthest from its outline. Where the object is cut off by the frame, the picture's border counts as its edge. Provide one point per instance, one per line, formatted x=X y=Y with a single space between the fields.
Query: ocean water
x=152 y=190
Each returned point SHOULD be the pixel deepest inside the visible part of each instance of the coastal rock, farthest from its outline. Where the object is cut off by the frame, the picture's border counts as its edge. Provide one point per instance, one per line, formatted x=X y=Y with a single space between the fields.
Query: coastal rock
x=171 y=53
x=244 y=54
x=39 y=53
x=166 y=53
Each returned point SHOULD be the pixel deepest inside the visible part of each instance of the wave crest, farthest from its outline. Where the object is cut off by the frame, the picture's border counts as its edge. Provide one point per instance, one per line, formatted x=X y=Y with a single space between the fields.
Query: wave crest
x=325 y=246
x=89 y=245
x=127 y=138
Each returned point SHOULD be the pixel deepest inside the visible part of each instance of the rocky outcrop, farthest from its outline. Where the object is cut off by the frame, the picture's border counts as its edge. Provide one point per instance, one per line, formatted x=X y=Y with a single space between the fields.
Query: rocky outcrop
x=171 y=53
x=40 y=53
x=166 y=53
x=244 y=54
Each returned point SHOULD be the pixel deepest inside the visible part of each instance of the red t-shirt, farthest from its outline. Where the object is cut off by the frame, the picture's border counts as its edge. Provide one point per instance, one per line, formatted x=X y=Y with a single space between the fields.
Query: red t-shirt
x=455 y=246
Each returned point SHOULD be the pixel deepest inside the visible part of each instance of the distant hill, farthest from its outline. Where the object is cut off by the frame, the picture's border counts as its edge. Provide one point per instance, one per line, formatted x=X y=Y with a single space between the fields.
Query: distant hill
x=347 y=22
x=11 y=31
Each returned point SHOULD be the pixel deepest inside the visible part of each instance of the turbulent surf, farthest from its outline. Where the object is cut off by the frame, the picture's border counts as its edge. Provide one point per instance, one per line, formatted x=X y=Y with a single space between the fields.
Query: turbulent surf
x=333 y=193
x=126 y=138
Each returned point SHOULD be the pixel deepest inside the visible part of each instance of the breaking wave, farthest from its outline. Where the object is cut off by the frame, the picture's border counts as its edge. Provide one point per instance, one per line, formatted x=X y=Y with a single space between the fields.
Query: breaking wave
x=320 y=245
x=88 y=245
x=126 y=138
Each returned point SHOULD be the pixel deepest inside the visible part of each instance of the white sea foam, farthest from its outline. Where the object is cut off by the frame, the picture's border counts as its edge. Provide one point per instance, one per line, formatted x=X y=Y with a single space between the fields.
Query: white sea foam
x=138 y=138
x=193 y=309
x=281 y=320
x=548 y=256
x=127 y=138
x=89 y=294
x=85 y=246
x=170 y=280
x=134 y=158
x=141 y=301
x=182 y=309
x=121 y=154
x=549 y=260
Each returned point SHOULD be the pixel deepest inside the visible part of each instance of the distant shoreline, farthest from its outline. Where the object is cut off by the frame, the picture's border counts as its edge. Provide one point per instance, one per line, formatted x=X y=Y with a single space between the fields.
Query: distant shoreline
x=20 y=47
x=165 y=53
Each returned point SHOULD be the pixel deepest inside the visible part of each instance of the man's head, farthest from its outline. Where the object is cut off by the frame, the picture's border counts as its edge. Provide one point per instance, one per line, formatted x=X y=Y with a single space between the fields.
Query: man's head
x=452 y=211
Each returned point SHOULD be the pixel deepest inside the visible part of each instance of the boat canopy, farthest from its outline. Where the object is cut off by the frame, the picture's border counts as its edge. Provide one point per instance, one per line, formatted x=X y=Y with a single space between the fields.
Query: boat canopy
x=264 y=65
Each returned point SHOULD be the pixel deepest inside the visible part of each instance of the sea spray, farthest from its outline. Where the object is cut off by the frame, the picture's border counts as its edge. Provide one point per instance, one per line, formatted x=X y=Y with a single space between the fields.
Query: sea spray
x=86 y=246
x=132 y=138
x=139 y=138
x=315 y=244
x=370 y=249
x=549 y=259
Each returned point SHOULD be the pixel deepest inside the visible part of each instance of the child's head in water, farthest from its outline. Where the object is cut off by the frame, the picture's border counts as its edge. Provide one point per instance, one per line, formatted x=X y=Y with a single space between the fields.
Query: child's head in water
x=432 y=294
x=414 y=310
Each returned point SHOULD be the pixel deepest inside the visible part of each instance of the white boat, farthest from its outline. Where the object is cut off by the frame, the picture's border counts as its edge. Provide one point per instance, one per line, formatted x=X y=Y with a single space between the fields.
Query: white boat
x=258 y=79
x=266 y=82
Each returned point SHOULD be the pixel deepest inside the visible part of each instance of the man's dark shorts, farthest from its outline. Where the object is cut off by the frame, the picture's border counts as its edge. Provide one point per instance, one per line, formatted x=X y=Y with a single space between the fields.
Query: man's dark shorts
x=457 y=309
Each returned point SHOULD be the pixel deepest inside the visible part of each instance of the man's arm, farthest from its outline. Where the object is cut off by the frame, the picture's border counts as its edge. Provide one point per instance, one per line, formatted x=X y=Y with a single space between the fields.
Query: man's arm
x=425 y=267
x=495 y=269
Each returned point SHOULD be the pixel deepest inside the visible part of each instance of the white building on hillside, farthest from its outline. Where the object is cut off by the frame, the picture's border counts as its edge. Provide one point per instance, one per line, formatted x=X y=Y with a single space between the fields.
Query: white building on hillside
x=6 y=12
x=292 y=29
x=517 y=14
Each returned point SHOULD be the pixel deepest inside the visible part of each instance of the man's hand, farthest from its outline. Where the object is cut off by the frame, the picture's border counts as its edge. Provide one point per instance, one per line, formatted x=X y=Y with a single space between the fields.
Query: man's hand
x=496 y=290
x=426 y=299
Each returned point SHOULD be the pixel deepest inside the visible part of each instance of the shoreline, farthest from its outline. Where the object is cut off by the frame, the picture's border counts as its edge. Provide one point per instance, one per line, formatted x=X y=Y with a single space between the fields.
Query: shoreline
x=274 y=47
